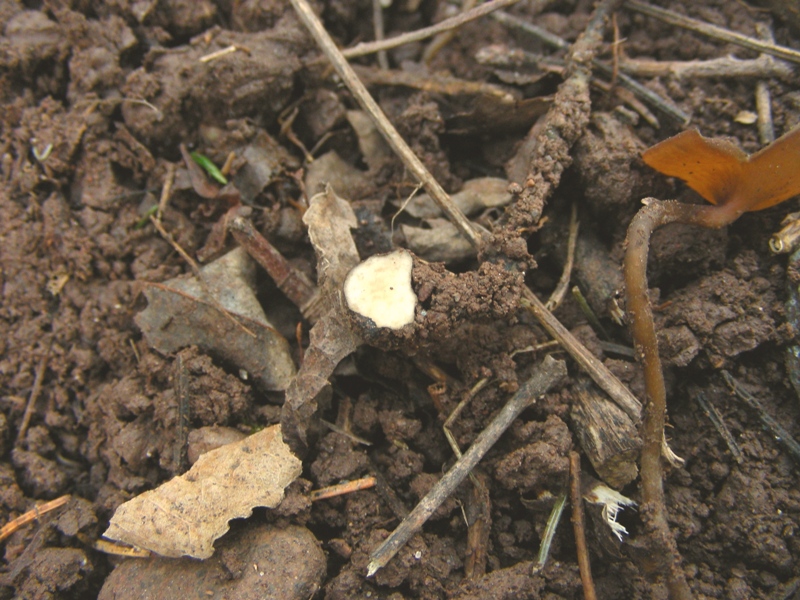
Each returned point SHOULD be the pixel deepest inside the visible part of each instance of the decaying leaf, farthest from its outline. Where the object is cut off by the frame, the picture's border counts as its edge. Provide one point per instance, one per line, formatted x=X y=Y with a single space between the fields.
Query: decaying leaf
x=329 y=219
x=184 y=516
x=180 y=313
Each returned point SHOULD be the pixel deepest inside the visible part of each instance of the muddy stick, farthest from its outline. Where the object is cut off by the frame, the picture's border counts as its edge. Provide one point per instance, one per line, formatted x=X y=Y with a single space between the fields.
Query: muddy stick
x=547 y=374
x=393 y=138
x=563 y=125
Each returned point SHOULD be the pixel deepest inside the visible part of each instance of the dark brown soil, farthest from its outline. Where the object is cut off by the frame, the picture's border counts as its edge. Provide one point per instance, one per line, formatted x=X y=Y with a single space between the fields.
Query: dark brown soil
x=98 y=96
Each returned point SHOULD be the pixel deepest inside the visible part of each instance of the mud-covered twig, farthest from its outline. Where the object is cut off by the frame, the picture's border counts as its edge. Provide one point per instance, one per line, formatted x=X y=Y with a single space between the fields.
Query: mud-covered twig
x=623 y=80
x=31 y=515
x=719 y=424
x=289 y=280
x=557 y=297
x=783 y=437
x=365 y=48
x=712 y=31
x=564 y=123
x=604 y=378
x=547 y=374
x=342 y=488
x=576 y=498
x=367 y=102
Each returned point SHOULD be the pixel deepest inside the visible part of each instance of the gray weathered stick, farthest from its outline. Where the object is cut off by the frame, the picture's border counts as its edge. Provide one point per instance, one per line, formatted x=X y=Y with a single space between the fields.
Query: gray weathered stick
x=548 y=373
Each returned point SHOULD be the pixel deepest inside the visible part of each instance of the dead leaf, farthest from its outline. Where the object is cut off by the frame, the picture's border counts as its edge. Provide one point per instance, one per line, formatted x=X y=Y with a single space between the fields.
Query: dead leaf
x=180 y=313
x=476 y=195
x=329 y=219
x=184 y=516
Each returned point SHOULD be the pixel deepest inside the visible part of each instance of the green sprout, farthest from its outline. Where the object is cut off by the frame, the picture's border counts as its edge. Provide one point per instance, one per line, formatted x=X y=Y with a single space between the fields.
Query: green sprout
x=209 y=167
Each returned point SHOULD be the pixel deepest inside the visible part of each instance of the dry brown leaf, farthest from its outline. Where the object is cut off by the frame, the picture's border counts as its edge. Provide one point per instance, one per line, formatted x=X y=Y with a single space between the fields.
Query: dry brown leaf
x=184 y=516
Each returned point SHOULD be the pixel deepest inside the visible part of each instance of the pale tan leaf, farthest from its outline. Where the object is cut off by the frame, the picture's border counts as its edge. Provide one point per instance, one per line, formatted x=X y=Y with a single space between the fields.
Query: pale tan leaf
x=184 y=516
x=330 y=219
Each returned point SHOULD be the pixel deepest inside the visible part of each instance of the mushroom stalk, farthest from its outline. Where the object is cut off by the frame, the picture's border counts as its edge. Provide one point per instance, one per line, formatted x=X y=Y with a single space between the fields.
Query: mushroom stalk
x=653 y=215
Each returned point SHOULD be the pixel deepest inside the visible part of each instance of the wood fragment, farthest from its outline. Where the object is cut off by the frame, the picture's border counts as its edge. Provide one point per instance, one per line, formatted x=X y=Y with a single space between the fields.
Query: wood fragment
x=607 y=436
x=576 y=499
x=289 y=280
x=726 y=66
x=546 y=375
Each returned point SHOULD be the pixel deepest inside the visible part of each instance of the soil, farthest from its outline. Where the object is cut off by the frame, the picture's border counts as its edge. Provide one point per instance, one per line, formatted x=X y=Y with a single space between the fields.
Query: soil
x=97 y=99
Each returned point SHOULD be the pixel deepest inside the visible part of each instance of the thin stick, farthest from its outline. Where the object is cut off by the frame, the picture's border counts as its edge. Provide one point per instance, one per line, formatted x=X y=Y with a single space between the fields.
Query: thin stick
x=362 y=96
x=166 y=191
x=547 y=374
x=557 y=297
x=766 y=130
x=713 y=31
x=783 y=437
x=377 y=24
x=604 y=378
x=342 y=488
x=34 y=395
x=365 y=48
x=578 y=527
x=31 y=515
x=289 y=280
x=719 y=424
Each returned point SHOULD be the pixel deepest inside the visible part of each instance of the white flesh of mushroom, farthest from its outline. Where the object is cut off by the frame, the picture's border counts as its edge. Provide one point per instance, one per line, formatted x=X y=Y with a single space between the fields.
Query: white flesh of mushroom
x=380 y=289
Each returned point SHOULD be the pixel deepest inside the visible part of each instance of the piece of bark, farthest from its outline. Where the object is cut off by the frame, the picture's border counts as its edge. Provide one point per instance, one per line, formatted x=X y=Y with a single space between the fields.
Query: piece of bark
x=606 y=434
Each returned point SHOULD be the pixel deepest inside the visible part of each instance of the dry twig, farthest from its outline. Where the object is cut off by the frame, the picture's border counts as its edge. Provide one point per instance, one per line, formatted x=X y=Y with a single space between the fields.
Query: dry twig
x=31 y=515
x=367 y=102
x=342 y=488
x=547 y=374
